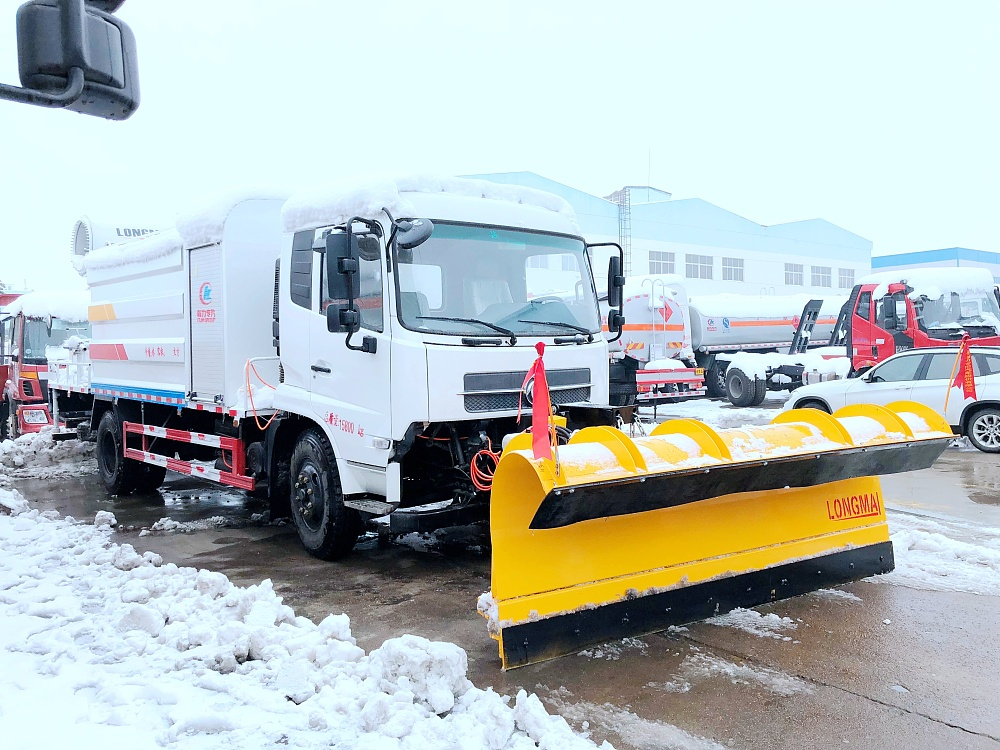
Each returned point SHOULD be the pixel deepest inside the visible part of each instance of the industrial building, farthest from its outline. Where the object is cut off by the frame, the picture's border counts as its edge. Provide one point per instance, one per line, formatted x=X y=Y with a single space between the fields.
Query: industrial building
x=714 y=249
x=949 y=257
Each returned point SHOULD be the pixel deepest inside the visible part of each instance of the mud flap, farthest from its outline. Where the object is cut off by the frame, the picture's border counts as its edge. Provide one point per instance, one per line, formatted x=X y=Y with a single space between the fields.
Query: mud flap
x=629 y=537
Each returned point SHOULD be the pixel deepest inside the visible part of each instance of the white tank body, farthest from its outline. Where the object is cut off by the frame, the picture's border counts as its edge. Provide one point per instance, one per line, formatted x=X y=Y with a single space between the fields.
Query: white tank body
x=741 y=321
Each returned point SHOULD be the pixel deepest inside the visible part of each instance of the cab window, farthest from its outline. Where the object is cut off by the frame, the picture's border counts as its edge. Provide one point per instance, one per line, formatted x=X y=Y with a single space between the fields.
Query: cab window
x=865 y=305
x=897 y=370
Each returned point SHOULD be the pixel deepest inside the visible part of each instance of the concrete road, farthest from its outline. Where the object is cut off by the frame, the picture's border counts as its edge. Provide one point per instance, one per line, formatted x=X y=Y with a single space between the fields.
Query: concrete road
x=871 y=665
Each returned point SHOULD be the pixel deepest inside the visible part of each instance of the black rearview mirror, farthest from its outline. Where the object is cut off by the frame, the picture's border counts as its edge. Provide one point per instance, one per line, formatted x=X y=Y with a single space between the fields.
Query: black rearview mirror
x=616 y=282
x=76 y=57
x=413 y=232
x=342 y=283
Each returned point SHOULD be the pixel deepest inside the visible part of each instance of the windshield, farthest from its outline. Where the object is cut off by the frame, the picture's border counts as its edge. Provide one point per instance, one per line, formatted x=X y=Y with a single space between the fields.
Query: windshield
x=954 y=310
x=469 y=280
x=43 y=341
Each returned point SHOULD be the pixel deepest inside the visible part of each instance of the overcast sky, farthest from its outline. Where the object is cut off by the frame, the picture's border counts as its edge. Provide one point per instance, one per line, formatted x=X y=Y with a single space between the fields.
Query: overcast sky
x=881 y=117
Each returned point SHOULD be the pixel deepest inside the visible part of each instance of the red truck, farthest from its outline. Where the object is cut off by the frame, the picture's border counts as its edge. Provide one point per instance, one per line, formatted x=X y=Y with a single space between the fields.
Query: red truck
x=34 y=328
x=892 y=311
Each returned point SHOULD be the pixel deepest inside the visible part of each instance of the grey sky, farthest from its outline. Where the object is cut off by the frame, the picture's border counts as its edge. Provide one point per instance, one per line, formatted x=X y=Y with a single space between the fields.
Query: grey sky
x=882 y=117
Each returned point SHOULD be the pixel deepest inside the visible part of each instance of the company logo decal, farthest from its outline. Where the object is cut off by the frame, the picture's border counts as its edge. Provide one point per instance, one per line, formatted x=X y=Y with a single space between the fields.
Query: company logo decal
x=854 y=506
x=205 y=294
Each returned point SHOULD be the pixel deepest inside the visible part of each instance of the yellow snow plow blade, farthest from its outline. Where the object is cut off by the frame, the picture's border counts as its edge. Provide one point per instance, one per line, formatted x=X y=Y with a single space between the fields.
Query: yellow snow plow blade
x=629 y=536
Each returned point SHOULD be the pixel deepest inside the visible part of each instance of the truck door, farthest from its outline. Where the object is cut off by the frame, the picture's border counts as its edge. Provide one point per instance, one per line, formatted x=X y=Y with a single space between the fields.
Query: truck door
x=350 y=389
x=862 y=351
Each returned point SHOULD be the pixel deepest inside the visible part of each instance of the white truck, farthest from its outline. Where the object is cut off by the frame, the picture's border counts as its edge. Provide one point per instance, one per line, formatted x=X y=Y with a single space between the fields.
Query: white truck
x=684 y=346
x=343 y=360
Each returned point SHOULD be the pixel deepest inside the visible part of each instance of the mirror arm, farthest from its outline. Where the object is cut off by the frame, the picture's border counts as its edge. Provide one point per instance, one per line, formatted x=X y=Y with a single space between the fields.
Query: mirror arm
x=72 y=92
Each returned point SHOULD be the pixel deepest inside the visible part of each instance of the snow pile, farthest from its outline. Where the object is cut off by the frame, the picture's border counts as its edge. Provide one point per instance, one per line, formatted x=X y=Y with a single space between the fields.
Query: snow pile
x=145 y=249
x=38 y=456
x=69 y=305
x=753 y=622
x=204 y=225
x=943 y=555
x=139 y=654
x=701 y=666
x=12 y=501
x=366 y=196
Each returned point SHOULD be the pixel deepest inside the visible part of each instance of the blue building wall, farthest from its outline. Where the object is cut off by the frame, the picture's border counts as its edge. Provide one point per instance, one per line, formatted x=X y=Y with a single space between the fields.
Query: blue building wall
x=949 y=256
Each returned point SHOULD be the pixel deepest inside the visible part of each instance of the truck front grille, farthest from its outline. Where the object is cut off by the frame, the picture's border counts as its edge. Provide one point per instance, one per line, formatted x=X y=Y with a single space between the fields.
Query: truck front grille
x=499 y=391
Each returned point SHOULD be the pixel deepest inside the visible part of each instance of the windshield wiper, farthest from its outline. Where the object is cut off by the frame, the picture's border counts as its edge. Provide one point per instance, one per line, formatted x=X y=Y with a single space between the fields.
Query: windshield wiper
x=571 y=326
x=498 y=329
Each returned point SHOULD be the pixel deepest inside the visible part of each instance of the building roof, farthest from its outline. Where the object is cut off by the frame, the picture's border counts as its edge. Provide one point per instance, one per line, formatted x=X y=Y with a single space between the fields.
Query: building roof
x=935 y=256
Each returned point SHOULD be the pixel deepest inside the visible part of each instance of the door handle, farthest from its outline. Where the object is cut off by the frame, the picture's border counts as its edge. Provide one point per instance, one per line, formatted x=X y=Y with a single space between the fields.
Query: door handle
x=318 y=368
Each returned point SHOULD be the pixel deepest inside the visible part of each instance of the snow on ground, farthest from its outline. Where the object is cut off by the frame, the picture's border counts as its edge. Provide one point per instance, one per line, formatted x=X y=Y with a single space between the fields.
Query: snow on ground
x=699 y=666
x=753 y=622
x=719 y=413
x=139 y=654
x=613 y=650
x=940 y=554
x=642 y=733
x=38 y=456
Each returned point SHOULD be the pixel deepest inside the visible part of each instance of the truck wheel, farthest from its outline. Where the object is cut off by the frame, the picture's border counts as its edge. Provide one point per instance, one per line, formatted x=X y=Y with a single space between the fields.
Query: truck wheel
x=327 y=528
x=740 y=388
x=984 y=430
x=715 y=379
x=760 y=392
x=118 y=474
x=149 y=477
x=10 y=422
x=4 y=427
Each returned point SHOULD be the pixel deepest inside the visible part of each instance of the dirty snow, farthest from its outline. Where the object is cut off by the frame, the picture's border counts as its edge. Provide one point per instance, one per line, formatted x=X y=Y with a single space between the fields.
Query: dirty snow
x=699 y=666
x=613 y=650
x=644 y=734
x=38 y=456
x=753 y=622
x=836 y=594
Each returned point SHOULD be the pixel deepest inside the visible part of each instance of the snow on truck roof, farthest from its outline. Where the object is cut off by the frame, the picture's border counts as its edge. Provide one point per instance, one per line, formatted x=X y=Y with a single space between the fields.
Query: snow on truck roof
x=337 y=202
x=932 y=282
x=65 y=305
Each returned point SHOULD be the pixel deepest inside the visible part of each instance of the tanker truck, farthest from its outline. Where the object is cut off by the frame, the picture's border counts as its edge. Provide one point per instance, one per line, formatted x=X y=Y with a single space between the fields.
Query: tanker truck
x=380 y=346
x=683 y=347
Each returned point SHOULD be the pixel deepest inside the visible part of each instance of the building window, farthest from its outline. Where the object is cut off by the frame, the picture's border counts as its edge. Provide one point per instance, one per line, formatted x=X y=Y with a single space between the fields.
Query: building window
x=538 y=261
x=822 y=276
x=732 y=269
x=845 y=278
x=661 y=262
x=793 y=274
x=698 y=266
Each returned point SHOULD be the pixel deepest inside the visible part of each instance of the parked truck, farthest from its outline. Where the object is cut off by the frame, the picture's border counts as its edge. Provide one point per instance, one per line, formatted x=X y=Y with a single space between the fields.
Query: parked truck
x=681 y=347
x=364 y=349
x=36 y=329
x=892 y=311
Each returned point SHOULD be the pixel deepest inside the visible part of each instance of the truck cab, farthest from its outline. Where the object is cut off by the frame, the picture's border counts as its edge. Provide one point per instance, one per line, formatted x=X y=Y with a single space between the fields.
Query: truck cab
x=892 y=312
x=30 y=338
x=411 y=357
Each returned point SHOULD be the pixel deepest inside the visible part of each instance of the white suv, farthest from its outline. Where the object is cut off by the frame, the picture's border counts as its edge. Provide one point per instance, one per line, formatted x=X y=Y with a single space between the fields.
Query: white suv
x=921 y=375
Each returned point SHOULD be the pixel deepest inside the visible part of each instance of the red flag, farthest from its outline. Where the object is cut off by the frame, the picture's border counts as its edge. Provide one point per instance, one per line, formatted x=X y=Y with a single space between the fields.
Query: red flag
x=541 y=408
x=965 y=378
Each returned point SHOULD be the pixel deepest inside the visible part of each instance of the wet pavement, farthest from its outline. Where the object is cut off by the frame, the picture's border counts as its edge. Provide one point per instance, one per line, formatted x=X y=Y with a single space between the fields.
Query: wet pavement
x=870 y=665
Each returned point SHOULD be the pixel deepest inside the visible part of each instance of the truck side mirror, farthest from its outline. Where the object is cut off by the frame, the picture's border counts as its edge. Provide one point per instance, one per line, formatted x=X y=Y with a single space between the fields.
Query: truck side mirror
x=75 y=56
x=342 y=283
x=616 y=282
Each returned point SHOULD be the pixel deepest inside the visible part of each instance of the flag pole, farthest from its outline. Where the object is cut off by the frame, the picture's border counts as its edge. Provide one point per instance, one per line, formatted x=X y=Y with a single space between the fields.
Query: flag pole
x=951 y=380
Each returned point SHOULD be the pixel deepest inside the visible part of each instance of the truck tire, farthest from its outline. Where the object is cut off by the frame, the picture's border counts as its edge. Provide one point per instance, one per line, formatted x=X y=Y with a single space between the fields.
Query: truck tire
x=715 y=379
x=328 y=530
x=760 y=392
x=118 y=474
x=4 y=426
x=149 y=477
x=740 y=388
x=984 y=430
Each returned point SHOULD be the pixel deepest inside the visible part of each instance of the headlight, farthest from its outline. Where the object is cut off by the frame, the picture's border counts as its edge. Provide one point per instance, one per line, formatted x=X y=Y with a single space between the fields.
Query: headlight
x=34 y=416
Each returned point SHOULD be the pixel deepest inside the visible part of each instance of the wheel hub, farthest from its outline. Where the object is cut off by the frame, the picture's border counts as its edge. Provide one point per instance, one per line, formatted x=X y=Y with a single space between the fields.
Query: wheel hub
x=305 y=496
x=987 y=430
